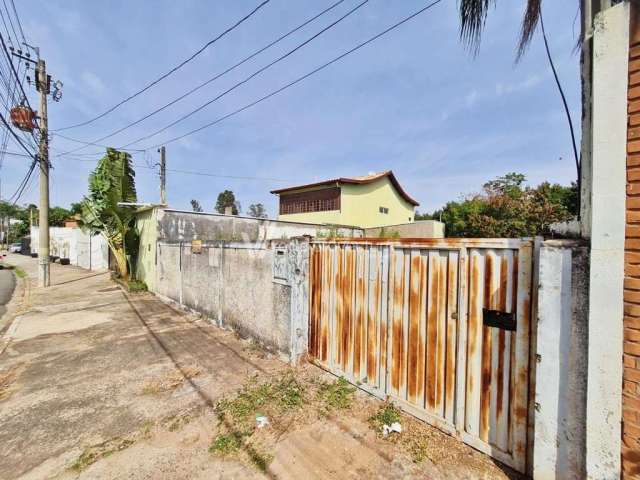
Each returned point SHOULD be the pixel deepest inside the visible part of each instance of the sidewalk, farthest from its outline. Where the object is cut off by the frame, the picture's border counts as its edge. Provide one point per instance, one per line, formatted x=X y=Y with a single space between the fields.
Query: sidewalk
x=97 y=384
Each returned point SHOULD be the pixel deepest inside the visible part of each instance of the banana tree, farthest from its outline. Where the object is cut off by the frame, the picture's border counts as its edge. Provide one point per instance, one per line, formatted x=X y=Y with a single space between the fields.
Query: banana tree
x=111 y=184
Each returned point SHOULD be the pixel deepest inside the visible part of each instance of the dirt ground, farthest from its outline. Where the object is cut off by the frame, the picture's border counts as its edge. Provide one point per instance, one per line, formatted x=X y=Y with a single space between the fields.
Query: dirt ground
x=96 y=384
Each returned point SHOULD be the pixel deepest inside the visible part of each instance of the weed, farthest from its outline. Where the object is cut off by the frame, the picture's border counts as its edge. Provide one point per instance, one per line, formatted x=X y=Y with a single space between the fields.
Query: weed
x=386 y=415
x=94 y=453
x=336 y=394
x=225 y=444
x=20 y=273
x=262 y=460
x=285 y=393
x=136 y=286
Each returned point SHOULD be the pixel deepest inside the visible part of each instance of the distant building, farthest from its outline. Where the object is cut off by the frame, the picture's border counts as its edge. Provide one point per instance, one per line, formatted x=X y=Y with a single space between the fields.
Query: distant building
x=374 y=200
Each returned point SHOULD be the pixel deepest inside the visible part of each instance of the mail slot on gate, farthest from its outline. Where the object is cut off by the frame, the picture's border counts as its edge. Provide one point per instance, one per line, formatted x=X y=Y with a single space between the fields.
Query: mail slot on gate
x=498 y=319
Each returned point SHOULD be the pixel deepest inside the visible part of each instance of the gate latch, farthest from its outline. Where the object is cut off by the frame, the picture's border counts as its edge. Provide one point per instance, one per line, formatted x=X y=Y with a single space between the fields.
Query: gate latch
x=498 y=319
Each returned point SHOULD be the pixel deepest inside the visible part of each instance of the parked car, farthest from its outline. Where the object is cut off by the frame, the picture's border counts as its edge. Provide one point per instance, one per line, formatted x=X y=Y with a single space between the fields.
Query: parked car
x=15 y=248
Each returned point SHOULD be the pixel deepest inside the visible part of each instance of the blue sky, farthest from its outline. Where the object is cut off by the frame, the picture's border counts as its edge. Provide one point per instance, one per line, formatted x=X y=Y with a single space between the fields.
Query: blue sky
x=414 y=101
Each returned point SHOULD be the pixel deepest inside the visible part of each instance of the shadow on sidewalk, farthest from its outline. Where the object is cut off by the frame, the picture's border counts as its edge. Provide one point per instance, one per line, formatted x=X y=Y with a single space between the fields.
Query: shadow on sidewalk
x=208 y=401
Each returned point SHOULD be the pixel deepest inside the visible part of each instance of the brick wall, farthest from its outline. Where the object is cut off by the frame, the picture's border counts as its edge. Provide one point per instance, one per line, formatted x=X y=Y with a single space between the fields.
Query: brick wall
x=631 y=358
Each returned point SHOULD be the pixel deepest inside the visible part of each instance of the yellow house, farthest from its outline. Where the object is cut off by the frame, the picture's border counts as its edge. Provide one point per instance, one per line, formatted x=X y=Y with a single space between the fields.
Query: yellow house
x=371 y=201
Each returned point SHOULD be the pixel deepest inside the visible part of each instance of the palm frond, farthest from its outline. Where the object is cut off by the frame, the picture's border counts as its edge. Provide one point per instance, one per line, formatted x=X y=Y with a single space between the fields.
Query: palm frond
x=473 y=15
x=529 y=25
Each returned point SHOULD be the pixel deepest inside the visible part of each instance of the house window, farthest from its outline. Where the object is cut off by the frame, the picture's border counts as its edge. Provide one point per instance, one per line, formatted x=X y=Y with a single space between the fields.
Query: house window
x=313 y=201
x=384 y=210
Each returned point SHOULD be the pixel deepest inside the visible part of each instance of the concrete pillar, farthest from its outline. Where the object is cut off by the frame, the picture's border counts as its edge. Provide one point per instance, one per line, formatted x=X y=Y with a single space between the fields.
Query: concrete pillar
x=298 y=275
x=561 y=362
x=607 y=220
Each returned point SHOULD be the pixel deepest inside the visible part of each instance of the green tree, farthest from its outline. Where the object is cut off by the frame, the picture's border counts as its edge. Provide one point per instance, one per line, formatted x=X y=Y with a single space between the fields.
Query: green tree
x=257 y=210
x=195 y=206
x=227 y=199
x=57 y=216
x=508 y=208
x=112 y=182
x=76 y=208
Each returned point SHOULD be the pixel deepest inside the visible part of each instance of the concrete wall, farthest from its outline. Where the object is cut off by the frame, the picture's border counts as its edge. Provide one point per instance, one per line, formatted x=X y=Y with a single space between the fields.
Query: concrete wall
x=244 y=273
x=561 y=362
x=180 y=225
x=241 y=285
x=418 y=229
x=165 y=225
x=83 y=250
x=606 y=217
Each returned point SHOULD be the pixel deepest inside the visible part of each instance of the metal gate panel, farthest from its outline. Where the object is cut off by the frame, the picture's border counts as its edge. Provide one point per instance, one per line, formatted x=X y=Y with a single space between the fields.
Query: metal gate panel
x=408 y=320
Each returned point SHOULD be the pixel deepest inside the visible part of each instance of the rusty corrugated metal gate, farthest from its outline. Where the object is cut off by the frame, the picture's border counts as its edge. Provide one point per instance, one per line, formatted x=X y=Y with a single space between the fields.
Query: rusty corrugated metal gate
x=441 y=327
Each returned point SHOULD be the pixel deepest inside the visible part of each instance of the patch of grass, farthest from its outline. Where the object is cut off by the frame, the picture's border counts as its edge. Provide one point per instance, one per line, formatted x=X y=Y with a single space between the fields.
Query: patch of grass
x=386 y=415
x=135 y=286
x=283 y=394
x=262 y=460
x=336 y=395
x=225 y=444
x=280 y=399
x=20 y=273
x=94 y=453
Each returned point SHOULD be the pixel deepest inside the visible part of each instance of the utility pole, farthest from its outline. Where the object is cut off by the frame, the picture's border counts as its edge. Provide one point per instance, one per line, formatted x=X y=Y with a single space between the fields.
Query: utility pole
x=42 y=86
x=163 y=176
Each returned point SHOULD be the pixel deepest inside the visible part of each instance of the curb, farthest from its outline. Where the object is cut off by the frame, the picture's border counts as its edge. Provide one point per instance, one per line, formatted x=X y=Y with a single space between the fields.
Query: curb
x=15 y=307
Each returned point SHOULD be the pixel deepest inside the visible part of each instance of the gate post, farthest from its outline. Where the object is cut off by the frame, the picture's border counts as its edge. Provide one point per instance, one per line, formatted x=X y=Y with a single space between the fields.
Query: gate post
x=298 y=275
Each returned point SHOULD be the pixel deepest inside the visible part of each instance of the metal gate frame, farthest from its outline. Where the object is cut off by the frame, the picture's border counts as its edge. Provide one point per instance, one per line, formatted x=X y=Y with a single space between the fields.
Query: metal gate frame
x=468 y=306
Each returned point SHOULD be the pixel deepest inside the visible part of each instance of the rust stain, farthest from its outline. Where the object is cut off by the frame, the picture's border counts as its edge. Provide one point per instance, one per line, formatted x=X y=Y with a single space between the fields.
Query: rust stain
x=442 y=330
x=422 y=330
x=316 y=291
x=325 y=314
x=373 y=321
x=339 y=290
x=398 y=297
x=445 y=243
x=414 y=328
x=432 y=330
x=474 y=323
x=501 y=336
x=347 y=338
x=512 y=342
x=485 y=392
x=359 y=317
x=452 y=306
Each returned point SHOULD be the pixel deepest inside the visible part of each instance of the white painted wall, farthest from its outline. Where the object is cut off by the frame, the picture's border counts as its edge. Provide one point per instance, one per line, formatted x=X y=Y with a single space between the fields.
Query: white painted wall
x=561 y=351
x=607 y=220
x=82 y=250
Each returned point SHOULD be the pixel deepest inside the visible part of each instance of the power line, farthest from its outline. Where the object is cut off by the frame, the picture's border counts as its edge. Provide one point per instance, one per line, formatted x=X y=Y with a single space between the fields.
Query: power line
x=303 y=77
x=23 y=184
x=254 y=74
x=89 y=144
x=13 y=5
x=174 y=69
x=217 y=76
x=11 y=22
x=191 y=172
x=564 y=100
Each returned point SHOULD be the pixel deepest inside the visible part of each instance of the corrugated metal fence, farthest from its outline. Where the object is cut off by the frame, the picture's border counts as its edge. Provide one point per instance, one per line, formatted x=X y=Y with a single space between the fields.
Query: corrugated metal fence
x=439 y=326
